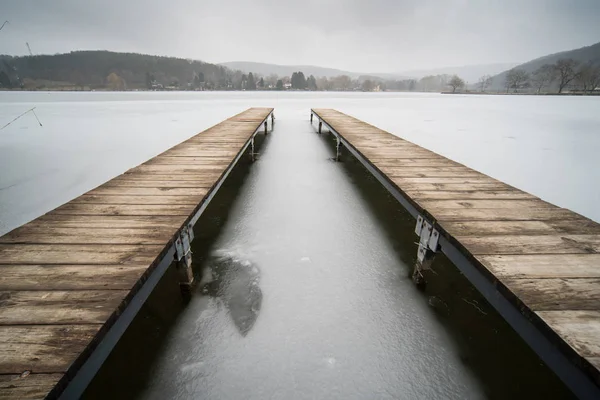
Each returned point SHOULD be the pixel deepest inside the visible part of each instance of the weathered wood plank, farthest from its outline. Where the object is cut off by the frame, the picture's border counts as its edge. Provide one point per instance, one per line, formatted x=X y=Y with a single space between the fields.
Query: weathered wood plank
x=454 y=187
x=147 y=191
x=137 y=199
x=543 y=294
x=543 y=265
x=141 y=183
x=199 y=179
x=505 y=214
x=169 y=169
x=424 y=172
x=469 y=195
x=484 y=228
x=27 y=386
x=78 y=254
x=69 y=277
x=435 y=205
x=74 y=208
x=580 y=329
x=58 y=307
x=111 y=221
x=533 y=244
x=44 y=234
x=42 y=348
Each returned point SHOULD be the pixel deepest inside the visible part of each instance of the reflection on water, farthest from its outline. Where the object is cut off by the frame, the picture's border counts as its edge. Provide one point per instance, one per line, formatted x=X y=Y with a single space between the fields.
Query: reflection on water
x=339 y=314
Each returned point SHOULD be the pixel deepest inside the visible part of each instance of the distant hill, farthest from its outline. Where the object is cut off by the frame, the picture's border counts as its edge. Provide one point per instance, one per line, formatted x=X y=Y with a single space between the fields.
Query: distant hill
x=92 y=69
x=287 y=70
x=583 y=55
x=470 y=73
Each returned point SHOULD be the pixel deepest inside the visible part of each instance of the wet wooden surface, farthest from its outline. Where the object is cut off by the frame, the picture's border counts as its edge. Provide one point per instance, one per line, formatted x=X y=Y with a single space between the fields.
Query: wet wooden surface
x=65 y=275
x=545 y=258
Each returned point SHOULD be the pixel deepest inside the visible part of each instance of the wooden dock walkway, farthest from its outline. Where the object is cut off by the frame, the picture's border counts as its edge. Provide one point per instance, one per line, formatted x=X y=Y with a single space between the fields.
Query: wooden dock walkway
x=537 y=264
x=72 y=280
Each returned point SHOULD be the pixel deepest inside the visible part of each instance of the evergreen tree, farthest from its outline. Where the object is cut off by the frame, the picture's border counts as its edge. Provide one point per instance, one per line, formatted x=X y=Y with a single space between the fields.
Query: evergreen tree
x=279 y=84
x=251 y=83
x=5 y=80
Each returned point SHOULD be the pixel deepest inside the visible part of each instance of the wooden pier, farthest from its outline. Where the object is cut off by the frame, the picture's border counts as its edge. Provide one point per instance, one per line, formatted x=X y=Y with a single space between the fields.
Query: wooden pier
x=536 y=263
x=72 y=280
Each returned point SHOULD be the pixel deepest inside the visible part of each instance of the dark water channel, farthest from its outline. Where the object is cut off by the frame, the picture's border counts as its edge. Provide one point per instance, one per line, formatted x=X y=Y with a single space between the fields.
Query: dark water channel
x=337 y=316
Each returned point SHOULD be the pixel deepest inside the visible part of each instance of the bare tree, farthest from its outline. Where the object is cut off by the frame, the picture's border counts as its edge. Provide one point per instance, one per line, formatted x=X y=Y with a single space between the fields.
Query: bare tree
x=342 y=82
x=368 y=85
x=566 y=71
x=456 y=83
x=588 y=77
x=543 y=76
x=516 y=79
x=484 y=81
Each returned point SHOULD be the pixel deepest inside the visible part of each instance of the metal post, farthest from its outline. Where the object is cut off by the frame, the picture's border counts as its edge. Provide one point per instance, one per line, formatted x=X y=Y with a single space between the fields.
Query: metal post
x=338 y=149
x=320 y=126
x=311 y=118
x=272 y=120
x=266 y=130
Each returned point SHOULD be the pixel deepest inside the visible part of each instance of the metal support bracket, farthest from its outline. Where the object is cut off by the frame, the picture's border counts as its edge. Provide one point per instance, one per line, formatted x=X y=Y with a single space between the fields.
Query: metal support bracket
x=428 y=246
x=183 y=255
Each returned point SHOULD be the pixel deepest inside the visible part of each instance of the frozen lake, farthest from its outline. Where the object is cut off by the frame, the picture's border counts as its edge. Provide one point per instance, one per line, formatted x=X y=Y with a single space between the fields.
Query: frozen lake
x=340 y=317
x=546 y=145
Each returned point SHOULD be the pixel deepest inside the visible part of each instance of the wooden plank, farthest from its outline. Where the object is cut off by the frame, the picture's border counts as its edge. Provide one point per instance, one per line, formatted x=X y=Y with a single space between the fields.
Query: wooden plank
x=58 y=307
x=542 y=294
x=182 y=160
x=543 y=265
x=510 y=194
x=44 y=234
x=60 y=254
x=580 y=329
x=386 y=163
x=125 y=209
x=69 y=277
x=137 y=199
x=454 y=187
x=484 y=228
x=444 y=180
x=182 y=184
x=169 y=169
x=424 y=172
x=42 y=348
x=505 y=214
x=538 y=244
x=112 y=221
x=434 y=205
x=200 y=179
x=148 y=191
x=27 y=386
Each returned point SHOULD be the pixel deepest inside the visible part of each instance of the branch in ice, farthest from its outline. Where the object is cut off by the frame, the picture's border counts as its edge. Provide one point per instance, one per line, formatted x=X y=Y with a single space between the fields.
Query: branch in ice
x=5 y=22
x=31 y=110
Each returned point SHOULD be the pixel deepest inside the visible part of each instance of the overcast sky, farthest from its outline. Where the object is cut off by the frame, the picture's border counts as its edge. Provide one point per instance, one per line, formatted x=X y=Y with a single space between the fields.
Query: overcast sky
x=354 y=35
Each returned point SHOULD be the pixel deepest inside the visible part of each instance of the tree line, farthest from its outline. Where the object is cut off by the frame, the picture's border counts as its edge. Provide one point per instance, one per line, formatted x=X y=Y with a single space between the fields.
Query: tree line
x=566 y=73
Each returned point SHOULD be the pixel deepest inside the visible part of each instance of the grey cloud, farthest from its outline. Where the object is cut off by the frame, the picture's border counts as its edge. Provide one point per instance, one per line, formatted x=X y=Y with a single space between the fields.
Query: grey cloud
x=359 y=35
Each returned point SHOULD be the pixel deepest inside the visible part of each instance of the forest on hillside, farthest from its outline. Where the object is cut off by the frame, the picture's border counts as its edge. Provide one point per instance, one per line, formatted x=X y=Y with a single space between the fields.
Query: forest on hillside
x=104 y=70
